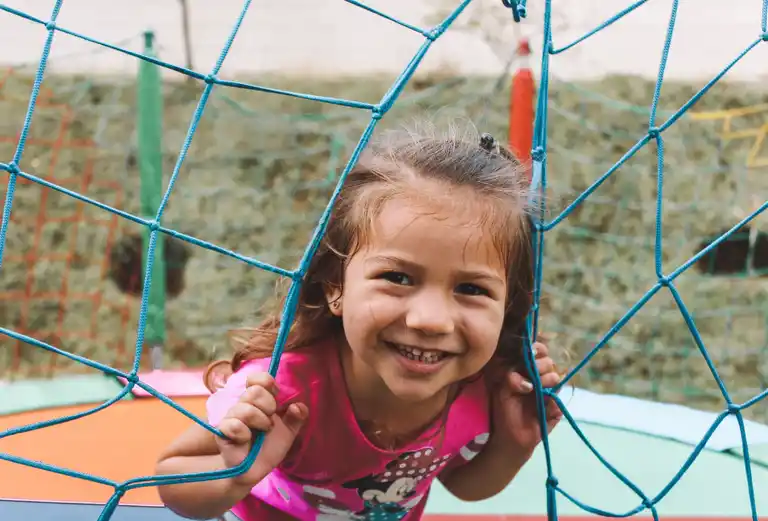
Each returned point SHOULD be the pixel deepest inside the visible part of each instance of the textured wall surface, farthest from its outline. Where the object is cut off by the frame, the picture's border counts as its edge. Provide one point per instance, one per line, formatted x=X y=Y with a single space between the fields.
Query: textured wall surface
x=259 y=173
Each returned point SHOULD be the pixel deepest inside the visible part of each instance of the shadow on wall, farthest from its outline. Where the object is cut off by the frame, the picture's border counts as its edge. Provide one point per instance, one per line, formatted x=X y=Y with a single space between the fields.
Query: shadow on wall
x=745 y=252
x=126 y=268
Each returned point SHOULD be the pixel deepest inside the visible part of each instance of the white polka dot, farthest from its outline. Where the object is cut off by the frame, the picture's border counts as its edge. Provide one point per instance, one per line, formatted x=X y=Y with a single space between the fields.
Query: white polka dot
x=433 y=467
x=422 y=471
x=417 y=455
x=399 y=473
x=411 y=472
x=446 y=456
x=442 y=464
x=405 y=457
x=428 y=452
x=387 y=474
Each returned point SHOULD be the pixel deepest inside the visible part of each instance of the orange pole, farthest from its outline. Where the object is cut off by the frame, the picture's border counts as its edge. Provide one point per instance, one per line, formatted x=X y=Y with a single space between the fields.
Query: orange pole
x=521 y=111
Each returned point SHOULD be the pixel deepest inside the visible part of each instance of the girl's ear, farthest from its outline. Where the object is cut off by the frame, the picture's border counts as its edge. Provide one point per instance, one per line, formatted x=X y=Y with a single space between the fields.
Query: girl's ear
x=334 y=298
x=217 y=374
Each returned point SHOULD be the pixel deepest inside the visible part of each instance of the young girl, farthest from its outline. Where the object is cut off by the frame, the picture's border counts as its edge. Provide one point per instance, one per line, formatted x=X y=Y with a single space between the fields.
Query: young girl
x=405 y=360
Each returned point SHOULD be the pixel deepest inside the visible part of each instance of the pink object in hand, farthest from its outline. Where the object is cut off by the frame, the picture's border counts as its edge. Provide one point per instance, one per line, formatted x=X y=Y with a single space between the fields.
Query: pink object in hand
x=171 y=383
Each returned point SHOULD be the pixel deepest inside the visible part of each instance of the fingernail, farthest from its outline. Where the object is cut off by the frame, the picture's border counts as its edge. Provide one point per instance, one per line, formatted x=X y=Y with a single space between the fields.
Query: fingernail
x=528 y=386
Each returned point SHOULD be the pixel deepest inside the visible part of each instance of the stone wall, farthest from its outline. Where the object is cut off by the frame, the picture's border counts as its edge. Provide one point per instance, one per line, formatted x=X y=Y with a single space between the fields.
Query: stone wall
x=259 y=173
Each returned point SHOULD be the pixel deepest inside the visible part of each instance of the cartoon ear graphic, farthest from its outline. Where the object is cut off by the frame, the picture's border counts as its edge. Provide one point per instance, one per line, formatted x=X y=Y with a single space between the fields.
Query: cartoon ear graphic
x=216 y=375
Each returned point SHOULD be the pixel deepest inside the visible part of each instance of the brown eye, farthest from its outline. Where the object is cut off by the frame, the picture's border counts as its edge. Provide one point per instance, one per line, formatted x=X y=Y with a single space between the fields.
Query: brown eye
x=397 y=277
x=471 y=289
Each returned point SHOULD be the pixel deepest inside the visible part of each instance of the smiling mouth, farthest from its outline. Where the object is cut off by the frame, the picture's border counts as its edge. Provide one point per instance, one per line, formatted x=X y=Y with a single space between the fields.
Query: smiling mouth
x=419 y=355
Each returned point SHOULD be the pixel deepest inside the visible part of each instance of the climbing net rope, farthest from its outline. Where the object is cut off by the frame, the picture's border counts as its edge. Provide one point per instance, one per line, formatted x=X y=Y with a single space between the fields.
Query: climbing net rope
x=665 y=282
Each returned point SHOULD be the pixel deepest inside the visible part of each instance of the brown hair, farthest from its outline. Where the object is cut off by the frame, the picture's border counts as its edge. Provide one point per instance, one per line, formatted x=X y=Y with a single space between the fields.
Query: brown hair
x=392 y=167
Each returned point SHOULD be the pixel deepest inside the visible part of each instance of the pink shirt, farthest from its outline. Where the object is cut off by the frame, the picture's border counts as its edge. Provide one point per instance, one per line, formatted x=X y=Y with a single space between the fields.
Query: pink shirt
x=333 y=472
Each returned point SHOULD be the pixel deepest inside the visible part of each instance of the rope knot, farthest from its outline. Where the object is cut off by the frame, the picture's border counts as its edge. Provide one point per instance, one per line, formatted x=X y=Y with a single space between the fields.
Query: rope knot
x=518 y=8
x=209 y=79
x=51 y=26
x=654 y=132
x=537 y=154
x=153 y=226
x=13 y=167
x=664 y=281
x=733 y=408
x=765 y=37
x=552 y=482
x=120 y=491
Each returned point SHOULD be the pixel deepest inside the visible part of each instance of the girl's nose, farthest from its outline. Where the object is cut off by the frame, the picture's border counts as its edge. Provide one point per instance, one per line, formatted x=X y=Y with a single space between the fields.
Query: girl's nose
x=430 y=313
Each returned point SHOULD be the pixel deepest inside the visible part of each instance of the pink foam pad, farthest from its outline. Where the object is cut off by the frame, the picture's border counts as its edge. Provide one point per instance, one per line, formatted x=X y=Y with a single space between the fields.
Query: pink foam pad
x=172 y=383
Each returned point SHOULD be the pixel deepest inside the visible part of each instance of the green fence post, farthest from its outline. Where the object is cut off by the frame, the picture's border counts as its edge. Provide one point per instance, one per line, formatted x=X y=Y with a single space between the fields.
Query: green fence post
x=150 y=125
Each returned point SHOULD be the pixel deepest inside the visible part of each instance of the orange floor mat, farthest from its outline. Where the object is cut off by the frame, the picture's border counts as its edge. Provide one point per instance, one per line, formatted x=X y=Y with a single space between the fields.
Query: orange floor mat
x=119 y=443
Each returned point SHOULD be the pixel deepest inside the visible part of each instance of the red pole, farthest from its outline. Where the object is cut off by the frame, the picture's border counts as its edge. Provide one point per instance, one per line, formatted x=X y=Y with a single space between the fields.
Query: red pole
x=521 y=111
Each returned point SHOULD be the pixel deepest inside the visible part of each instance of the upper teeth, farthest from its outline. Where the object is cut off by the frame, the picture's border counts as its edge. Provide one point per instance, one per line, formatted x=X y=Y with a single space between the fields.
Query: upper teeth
x=416 y=351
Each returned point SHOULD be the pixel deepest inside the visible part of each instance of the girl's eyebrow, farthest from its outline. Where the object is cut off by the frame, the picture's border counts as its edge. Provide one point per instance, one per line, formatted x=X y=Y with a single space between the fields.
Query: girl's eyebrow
x=391 y=259
x=478 y=274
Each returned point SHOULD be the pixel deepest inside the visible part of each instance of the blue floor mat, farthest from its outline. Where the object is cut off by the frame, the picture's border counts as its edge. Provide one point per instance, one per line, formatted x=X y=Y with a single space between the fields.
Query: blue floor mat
x=51 y=511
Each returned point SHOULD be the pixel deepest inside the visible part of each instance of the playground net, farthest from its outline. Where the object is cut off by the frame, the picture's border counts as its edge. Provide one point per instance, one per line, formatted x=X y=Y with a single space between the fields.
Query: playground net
x=594 y=294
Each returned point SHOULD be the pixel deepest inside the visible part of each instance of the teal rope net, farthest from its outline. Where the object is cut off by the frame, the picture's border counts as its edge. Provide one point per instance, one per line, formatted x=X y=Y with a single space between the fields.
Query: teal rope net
x=665 y=281
x=377 y=111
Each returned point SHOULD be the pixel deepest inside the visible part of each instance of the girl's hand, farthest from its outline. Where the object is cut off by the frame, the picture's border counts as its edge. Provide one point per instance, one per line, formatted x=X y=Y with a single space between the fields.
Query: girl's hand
x=516 y=419
x=258 y=410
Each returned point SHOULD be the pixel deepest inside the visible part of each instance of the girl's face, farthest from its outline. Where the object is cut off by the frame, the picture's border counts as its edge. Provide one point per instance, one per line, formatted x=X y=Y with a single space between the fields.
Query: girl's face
x=423 y=300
